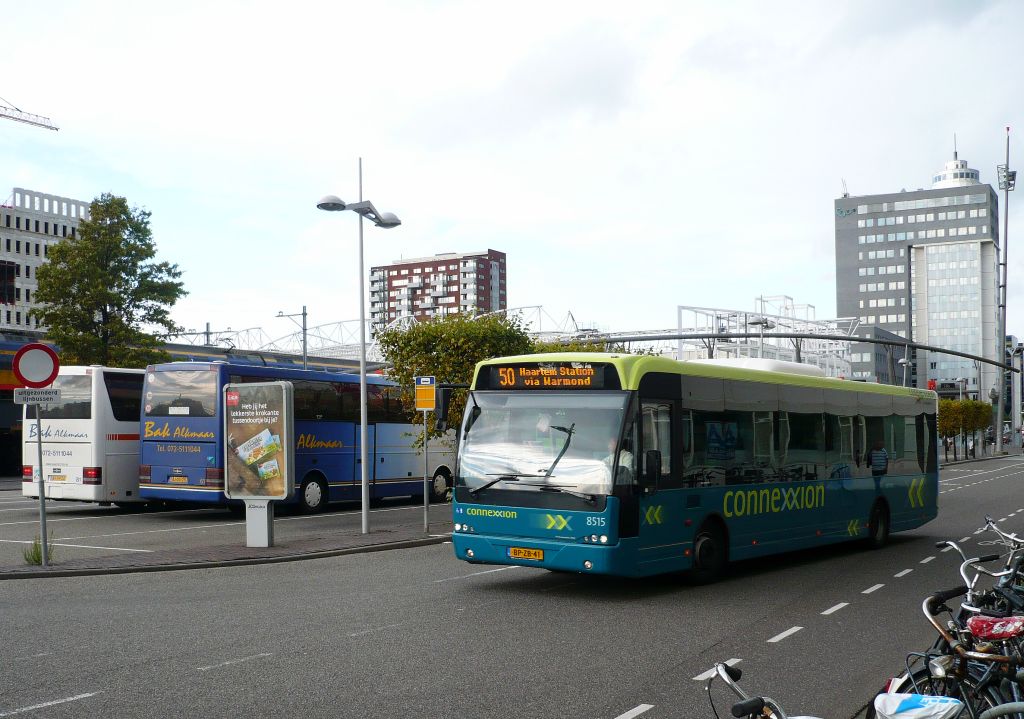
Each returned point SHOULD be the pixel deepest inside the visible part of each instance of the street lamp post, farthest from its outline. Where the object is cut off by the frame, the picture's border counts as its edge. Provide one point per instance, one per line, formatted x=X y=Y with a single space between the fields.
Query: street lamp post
x=905 y=362
x=960 y=382
x=280 y=313
x=363 y=208
x=762 y=323
x=1007 y=180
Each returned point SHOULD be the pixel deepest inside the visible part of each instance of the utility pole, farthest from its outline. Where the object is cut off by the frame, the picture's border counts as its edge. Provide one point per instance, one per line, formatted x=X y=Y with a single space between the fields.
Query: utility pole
x=1007 y=180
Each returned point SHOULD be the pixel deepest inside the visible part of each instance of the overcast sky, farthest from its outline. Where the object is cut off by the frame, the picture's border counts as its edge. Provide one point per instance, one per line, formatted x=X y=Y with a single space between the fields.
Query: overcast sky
x=628 y=159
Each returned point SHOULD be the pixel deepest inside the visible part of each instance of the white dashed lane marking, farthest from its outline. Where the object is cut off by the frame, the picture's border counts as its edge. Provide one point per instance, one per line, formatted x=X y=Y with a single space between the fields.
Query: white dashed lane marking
x=926 y=560
x=836 y=608
x=635 y=711
x=779 y=637
x=904 y=573
x=875 y=588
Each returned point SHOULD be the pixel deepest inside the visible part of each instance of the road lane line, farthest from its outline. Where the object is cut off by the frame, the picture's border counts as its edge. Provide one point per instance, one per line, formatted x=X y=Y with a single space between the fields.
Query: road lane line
x=948 y=549
x=44 y=705
x=475 y=574
x=904 y=573
x=704 y=676
x=979 y=531
x=79 y=546
x=110 y=515
x=635 y=711
x=875 y=588
x=965 y=539
x=234 y=661
x=779 y=637
x=836 y=608
x=927 y=559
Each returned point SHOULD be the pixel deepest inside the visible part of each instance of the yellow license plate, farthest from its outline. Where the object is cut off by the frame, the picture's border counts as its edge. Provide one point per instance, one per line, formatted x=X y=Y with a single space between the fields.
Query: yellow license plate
x=58 y=477
x=175 y=479
x=526 y=553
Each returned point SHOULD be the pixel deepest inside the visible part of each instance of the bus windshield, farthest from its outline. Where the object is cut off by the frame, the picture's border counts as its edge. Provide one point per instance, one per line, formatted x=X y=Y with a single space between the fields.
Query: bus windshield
x=183 y=393
x=75 y=399
x=530 y=440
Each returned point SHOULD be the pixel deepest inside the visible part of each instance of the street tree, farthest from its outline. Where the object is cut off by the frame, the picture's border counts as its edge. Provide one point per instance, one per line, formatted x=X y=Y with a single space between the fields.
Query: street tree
x=448 y=348
x=103 y=298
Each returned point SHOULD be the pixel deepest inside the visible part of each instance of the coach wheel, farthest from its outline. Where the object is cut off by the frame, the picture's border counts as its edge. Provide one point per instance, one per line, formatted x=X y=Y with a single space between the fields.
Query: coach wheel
x=710 y=553
x=313 y=495
x=878 y=526
x=439 y=487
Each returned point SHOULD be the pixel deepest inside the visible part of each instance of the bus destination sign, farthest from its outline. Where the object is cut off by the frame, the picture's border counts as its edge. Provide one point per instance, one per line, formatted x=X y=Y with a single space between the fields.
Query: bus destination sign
x=551 y=376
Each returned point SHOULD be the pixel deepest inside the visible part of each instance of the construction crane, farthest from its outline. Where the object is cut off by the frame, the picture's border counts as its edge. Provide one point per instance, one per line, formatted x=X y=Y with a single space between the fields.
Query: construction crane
x=11 y=112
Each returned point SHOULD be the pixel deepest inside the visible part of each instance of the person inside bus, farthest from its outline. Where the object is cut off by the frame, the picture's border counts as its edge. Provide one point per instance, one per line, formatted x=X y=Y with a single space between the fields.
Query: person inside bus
x=627 y=466
x=878 y=459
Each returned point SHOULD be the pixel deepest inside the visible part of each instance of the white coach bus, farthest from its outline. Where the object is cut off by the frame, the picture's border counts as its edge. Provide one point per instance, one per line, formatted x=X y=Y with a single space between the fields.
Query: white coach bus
x=90 y=437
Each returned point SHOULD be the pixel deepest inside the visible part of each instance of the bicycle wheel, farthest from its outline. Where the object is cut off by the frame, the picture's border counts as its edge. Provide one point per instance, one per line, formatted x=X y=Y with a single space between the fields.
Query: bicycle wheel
x=976 y=695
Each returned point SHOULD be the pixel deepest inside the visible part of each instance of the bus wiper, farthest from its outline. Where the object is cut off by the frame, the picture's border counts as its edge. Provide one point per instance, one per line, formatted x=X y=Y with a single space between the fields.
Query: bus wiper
x=565 y=447
x=501 y=478
x=588 y=498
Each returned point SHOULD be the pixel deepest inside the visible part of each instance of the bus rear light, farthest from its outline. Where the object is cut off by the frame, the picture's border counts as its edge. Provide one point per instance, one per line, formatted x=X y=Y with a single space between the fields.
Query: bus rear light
x=213 y=477
x=687 y=552
x=145 y=472
x=92 y=475
x=26 y=473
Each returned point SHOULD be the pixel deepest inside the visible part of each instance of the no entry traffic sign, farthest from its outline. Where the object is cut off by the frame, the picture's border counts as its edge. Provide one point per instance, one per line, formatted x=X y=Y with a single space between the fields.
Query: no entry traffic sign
x=36 y=365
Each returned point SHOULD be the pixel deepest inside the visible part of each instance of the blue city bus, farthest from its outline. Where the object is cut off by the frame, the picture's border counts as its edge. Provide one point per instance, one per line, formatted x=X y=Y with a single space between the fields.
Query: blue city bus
x=182 y=454
x=638 y=465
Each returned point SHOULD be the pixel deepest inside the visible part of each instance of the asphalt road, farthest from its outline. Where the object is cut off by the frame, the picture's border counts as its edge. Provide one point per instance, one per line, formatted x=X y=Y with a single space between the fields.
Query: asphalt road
x=415 y=633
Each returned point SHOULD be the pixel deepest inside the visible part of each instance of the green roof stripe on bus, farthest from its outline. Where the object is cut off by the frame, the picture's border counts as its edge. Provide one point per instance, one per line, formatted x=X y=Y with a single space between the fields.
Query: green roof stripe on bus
x=632 y=367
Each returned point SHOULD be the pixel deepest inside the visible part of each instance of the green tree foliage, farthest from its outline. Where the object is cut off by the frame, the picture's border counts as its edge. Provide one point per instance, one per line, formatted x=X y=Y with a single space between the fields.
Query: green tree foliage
x=100 y=291
x=449 y=348
x=950 y=417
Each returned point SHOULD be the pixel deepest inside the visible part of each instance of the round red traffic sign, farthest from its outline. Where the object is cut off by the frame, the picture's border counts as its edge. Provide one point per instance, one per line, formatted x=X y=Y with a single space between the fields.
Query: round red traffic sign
x=36 y=365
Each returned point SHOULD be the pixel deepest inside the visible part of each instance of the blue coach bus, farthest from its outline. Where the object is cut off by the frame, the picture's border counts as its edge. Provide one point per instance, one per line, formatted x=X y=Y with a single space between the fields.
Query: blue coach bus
x=182 y=454
x=633 y=465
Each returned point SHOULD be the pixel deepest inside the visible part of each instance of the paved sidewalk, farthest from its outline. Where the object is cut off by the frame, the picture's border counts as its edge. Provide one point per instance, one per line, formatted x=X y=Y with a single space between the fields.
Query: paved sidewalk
x=325 y=544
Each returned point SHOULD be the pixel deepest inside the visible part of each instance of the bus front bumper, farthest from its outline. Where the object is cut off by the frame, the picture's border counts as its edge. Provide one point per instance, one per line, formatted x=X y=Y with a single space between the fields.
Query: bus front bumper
x=554 y=555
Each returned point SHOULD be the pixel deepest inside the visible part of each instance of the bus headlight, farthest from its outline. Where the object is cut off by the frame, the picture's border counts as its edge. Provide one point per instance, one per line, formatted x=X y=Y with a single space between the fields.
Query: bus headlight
x=588 y=564
x=458 y=527
x=593 y=538
x=469 y=553
x=604 y=539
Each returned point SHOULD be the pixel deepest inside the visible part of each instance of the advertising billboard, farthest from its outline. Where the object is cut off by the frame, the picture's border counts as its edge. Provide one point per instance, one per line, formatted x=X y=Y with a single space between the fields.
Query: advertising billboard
x=260 y=446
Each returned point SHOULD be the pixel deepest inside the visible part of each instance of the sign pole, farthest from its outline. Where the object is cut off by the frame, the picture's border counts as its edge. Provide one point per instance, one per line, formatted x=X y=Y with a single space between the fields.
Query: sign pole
x=426 y=473
x=36 y=366
x=425 y=391
x=42 y=488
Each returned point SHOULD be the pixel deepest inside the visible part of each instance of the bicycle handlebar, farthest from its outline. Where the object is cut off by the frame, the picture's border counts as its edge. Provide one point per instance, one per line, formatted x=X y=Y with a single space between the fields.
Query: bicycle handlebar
x=754 y=705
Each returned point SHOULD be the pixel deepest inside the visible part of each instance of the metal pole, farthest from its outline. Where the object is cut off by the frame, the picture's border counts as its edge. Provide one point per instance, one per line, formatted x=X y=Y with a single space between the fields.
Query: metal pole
x=42 y=487
x=426 y=473
x=304 y=362
x=1001 y=355
x=364 y=462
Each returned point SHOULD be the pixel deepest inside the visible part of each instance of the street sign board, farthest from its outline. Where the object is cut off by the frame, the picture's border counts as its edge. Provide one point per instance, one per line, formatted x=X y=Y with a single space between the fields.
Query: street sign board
x=36 y=365
x=28 y=395
x=425 y=394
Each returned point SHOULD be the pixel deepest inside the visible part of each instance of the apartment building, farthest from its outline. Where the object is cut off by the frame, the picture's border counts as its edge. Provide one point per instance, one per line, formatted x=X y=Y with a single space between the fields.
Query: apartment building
x=439 y=285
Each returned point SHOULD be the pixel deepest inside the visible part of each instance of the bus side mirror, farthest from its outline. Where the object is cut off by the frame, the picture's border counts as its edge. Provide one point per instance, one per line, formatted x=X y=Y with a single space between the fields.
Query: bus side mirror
x=443 y=400
x=652 y=471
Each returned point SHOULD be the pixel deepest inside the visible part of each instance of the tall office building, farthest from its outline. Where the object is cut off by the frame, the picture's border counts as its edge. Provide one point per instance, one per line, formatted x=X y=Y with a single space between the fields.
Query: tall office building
x=426 y=287
x=29 y=223
x=922 y=265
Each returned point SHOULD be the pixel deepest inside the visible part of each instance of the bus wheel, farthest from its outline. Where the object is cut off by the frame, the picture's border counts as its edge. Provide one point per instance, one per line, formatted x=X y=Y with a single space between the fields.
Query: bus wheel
x=439 y=487
x=878 y=526
x=313 y=495
x=710 y=553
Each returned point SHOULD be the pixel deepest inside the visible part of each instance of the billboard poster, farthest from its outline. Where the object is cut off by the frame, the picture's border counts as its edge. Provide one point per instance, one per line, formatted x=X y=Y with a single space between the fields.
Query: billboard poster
x=260 y=447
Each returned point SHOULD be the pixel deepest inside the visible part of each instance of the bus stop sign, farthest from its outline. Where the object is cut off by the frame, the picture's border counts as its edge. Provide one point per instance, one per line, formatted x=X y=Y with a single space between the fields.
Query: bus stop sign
x=36 y=365
x=425 y=394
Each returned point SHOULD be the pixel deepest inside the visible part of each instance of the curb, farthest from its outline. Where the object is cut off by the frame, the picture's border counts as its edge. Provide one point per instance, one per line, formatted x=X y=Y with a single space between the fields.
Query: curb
x=321 y=554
